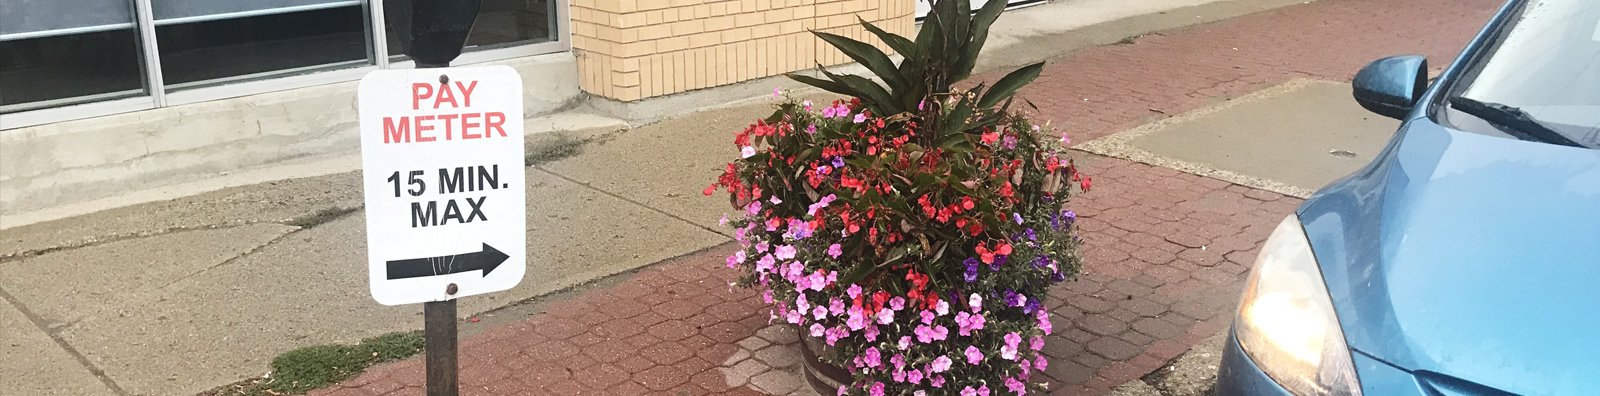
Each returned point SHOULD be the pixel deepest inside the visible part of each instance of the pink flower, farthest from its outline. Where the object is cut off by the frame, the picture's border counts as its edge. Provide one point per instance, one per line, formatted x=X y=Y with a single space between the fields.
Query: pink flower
x=860 y=118
x=811 y=129
x=905 y=342
x=793 y=317
x=968 y=391
x=754 y=208
x=843 y=390
x=785 y=252
x=877 y=389
x=937 y=381
x=853 y=291
x=885 y=316
x=943 y=308
x=871 y=333
x=766 y=297
x=747 y=152
x=1044 y=321
x=819 y=312
x=872 y=358
x=914 y=376
x=801 y=303
x=1039 y=362
x=927 y=317
x=855 y=320
x=817 y=329
x=1016 y=386
x=974 y=356
x=983 y=390
x=835 y=306
x=1036 y=343
x=967 y=323
x=939 y=365
x=833 y=335
x=1026 y=366
x=897 y=303
x=898 y=360
x=1009 y=351
x=806 y=104
x=775 y=200
x=835 y=251
x=818 y=281
x=975 y=302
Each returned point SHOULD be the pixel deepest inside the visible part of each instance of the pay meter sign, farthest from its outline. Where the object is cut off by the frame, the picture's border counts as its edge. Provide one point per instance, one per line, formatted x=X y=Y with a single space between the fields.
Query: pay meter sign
x=442 y=165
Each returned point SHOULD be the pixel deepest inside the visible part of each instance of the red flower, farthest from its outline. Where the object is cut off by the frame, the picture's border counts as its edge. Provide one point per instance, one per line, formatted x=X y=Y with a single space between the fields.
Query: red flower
x=991 y=137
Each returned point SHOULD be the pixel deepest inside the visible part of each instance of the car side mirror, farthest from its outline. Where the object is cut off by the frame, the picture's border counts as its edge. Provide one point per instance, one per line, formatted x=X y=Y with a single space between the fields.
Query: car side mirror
x=1392 y=86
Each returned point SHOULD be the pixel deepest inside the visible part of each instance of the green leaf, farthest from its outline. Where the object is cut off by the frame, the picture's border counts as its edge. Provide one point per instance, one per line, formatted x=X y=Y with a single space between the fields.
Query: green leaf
x=899 y=43
x=980 y=33
x=1009 y=84
x=869 y=91
x=830 y=86
x=868 y=56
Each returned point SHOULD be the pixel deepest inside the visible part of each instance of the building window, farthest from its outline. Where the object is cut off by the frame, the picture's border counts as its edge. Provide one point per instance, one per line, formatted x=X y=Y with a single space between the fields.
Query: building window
x=213 y=46
x=55 y=53
x=500 y=23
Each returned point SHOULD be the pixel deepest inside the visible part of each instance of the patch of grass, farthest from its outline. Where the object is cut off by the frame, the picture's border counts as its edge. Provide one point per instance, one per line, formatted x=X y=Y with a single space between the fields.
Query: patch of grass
x=1130 y=39
x=551 y=150
x=322 y=216
x=318 y=366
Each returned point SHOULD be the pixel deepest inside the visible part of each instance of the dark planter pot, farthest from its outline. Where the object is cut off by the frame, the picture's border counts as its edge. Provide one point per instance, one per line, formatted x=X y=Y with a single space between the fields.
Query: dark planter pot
x=825 y=378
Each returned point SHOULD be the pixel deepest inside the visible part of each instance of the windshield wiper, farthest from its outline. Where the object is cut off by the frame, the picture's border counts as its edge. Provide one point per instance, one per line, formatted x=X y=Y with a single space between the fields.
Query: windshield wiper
x=1512 y=120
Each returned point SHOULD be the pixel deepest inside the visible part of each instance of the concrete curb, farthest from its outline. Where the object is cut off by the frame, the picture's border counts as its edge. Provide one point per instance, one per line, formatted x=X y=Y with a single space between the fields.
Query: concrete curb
x=1120 y=145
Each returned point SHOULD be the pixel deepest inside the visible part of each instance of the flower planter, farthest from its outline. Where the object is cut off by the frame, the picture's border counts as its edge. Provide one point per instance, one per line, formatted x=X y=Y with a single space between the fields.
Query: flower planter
x=825 y=378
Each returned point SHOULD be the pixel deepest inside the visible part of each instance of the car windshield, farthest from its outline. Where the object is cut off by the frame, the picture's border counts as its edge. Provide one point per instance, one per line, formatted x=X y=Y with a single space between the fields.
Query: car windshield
x=1541 y=80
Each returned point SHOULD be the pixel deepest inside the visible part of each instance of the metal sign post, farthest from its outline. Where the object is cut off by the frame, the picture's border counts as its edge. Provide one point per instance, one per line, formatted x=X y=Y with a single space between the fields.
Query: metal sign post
x=420 y=122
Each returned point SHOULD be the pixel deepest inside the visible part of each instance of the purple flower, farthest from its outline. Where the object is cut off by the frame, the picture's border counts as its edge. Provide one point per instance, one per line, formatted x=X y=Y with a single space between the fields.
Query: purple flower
x=838 y=162
x=1017 y=217
x=971 y=275
x=974 y=356
x=1033 y=305
x=1009 y=142
x=1029 y=233
x=999 y=261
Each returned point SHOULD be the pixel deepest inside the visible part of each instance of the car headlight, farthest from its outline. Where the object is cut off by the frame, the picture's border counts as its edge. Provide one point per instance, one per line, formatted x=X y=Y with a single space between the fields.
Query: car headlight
x=1286 y=321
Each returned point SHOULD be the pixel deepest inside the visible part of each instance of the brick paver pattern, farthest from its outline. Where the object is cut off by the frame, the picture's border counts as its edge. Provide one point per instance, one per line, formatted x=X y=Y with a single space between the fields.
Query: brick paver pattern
x=1166 y=252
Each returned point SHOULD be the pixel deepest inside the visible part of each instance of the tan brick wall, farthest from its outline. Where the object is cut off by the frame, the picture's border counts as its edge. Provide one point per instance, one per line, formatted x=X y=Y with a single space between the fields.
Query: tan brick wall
x=633 y=49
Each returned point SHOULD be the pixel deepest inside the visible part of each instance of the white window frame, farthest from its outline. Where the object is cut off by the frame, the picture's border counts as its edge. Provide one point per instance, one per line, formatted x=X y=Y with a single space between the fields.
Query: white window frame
x=378 y=58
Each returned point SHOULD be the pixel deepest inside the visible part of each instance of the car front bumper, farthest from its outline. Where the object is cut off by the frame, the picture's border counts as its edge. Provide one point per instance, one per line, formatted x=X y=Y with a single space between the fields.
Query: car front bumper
x=1239 y=375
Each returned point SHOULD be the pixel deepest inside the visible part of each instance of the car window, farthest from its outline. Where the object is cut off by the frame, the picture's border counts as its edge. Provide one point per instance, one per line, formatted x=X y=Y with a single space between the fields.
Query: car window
x=1544 y=67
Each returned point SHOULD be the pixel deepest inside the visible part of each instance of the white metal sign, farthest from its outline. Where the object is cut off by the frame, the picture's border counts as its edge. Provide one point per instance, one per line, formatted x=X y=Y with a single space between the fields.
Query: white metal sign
x=442 y=165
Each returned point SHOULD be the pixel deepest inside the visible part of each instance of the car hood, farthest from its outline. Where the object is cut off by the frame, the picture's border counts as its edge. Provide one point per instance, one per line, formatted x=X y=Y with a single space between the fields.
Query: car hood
x=1469 y=260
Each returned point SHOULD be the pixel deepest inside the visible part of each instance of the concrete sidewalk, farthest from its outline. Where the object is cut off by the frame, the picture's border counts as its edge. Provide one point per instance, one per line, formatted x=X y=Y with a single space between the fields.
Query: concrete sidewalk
x=179 y=296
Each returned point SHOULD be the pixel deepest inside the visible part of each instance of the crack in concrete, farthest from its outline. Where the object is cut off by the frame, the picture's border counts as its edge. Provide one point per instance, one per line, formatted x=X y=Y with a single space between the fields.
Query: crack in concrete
x=39 y=323
x=300 y=223
x=630 y=200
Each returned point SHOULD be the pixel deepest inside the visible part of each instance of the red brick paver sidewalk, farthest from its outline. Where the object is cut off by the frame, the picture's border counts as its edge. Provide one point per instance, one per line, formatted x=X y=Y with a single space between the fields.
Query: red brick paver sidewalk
x=1166 y=251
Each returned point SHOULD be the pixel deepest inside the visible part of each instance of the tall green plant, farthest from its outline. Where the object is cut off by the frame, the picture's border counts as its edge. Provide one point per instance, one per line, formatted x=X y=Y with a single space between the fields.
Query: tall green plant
x=944 y=53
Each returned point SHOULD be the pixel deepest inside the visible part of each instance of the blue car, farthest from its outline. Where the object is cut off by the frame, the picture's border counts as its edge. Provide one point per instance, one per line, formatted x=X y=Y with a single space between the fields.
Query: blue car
x=1465 y=259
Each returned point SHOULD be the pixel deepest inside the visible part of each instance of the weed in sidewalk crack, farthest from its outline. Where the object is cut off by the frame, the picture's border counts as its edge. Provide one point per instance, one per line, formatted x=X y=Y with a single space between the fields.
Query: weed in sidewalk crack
x=320 y=217
x=553 y=149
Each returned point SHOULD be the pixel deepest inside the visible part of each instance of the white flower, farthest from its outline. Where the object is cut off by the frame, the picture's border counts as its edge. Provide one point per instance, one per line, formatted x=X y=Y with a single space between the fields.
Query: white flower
x=747 y=152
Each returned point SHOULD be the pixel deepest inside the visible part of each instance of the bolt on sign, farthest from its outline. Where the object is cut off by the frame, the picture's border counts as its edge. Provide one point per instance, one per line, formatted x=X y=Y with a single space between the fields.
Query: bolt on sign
x=442 y=165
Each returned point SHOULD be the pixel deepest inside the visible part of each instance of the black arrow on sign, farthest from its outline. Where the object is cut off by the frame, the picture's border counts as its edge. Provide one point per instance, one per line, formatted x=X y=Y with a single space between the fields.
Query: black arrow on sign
x=487 y=260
